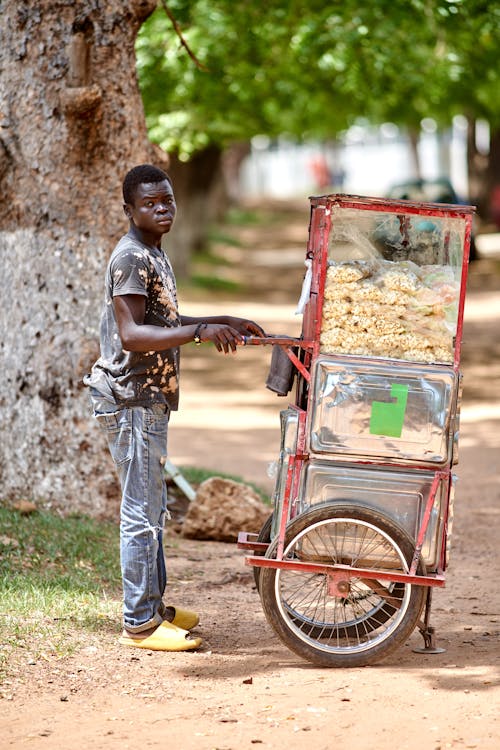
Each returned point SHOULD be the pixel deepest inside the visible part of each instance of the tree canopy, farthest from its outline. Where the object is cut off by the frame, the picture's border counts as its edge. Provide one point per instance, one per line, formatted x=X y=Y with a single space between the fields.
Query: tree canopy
x=310 y=69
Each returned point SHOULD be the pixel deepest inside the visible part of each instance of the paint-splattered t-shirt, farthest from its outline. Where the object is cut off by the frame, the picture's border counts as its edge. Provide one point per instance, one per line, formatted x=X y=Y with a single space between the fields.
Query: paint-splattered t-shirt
x=138 y=378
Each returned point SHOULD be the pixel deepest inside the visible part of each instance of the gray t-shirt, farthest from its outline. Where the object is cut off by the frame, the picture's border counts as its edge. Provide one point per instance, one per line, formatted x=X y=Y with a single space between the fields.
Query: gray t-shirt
x=138 y=378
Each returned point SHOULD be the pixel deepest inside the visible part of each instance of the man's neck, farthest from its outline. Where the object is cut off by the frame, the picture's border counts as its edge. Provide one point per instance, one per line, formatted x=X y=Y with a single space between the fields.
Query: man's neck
x=145 y=238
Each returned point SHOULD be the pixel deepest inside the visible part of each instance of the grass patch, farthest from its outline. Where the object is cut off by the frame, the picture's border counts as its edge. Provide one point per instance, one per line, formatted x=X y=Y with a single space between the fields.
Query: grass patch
x=266 y=215
x=214 y=283
x=244 y=217
x=218 y=235
x=209 y=258
x=59 y=581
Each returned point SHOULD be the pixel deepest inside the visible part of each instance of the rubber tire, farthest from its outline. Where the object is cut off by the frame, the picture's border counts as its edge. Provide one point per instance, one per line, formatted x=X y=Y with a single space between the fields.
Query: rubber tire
x=315 y=655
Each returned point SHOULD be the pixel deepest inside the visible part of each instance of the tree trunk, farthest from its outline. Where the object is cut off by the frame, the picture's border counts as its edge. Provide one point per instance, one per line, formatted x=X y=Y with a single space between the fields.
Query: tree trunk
x=484 y=175
x=196 y=187
x=473 y=172
x=72 y=125
x=414 y=138
x=443 y=153
x=492 y=181
x=477 y=164
x=232 y=159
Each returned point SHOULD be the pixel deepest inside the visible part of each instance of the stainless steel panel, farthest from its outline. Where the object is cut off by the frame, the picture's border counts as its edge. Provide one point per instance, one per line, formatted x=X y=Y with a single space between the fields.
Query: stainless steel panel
x=392 y=412
x=400 y=495
x=449 y=520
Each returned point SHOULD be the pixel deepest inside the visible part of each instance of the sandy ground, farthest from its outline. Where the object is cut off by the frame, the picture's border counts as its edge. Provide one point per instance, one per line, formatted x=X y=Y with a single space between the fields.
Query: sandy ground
x=244 y=688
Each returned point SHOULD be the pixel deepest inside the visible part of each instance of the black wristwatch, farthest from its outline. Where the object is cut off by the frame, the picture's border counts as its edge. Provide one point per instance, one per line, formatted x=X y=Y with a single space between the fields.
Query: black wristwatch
x=198 y=329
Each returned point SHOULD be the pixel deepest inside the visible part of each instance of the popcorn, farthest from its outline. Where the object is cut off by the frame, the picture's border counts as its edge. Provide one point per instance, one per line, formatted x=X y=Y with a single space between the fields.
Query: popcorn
x=374 y=324
x=400 y=281
x=347 y=273
x=369 y=292
x=389 y=309
x=373 y=308
x=442 y=354
x=336 y=308
x=332 y=338
x=339 y=293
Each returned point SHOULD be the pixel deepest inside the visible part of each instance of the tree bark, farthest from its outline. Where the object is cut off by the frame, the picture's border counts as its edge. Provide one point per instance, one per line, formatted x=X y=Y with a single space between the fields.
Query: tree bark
x=414 y=138
x=196 y=186
x=484 y=175
x=492 y=181
x=72 y=123
x=232 y=159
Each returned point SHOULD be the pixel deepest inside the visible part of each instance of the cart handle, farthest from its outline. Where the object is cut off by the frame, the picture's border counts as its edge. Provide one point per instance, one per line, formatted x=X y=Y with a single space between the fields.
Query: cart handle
x=280 y=340
x=287 y=342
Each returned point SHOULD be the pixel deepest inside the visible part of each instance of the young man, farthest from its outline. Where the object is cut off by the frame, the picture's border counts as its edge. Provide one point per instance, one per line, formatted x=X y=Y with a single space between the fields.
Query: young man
x=134 y=386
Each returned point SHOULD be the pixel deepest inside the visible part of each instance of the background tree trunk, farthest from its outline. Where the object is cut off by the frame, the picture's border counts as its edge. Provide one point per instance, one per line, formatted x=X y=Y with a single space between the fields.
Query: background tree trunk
x=477 y=165
x=72 y=123
x=492 y=181
x=197 y=186
x=414 y=138
x=484 y=175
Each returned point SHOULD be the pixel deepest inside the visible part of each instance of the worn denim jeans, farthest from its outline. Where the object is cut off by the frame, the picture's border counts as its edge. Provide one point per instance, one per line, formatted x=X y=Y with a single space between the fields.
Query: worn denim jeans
x=137 y=439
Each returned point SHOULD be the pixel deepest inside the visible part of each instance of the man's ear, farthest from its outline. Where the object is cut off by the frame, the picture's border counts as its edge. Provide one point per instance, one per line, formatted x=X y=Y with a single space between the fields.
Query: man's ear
x=126 y=210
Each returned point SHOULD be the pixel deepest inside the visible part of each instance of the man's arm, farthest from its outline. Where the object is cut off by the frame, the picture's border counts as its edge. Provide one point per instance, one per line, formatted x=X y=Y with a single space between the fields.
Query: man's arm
x=242 y=325
x=137 y=336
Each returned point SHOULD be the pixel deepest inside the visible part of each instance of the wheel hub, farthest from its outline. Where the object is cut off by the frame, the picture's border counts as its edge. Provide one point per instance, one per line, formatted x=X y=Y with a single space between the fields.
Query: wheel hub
x=338 y=585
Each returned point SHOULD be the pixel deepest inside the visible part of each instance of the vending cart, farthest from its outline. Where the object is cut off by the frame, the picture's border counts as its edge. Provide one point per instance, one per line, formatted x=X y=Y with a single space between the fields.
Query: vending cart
x=363 y=503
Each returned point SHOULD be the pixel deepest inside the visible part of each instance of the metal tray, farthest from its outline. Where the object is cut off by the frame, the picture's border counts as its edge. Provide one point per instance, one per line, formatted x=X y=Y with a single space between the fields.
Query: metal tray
x=400 y=495
x=384 y=411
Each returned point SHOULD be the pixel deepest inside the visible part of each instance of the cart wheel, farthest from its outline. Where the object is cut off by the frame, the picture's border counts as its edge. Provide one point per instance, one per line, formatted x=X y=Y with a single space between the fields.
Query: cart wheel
x=373 y=617
x=264 y=536
x=370 y=618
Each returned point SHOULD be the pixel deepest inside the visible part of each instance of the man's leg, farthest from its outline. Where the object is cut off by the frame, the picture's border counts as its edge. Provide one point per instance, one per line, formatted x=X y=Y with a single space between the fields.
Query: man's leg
x=143 y=509
x=137 y=439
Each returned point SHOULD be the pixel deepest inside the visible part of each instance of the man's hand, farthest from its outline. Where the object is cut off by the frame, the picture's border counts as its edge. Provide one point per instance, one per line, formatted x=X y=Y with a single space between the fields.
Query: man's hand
x=224 y=337
x=226 y=332
x=246 y=327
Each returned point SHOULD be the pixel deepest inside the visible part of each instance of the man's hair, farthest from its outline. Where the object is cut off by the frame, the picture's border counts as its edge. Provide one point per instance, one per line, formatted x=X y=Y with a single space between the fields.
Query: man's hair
x=144 y=173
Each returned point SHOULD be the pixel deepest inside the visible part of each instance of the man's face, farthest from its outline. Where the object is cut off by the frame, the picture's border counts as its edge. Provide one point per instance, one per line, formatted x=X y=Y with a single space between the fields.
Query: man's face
x=153 y=209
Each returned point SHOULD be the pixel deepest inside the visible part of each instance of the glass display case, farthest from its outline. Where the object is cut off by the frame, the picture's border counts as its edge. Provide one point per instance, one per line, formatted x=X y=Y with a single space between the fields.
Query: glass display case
x=390 y=277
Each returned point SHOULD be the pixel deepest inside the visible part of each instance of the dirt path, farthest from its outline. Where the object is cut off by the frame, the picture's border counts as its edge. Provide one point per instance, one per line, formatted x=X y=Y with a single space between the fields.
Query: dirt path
x=244 y=689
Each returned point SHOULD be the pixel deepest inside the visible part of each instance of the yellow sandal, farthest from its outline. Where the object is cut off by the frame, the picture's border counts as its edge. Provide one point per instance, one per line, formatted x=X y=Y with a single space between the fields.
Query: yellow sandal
x=184 y=618
x=166 y=637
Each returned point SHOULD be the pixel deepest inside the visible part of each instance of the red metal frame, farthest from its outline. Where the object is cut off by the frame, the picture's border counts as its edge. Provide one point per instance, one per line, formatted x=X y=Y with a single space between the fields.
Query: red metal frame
x=244 y=542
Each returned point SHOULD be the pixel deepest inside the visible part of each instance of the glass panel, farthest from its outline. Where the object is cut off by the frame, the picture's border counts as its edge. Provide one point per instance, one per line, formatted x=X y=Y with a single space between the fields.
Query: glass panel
x=392 y=285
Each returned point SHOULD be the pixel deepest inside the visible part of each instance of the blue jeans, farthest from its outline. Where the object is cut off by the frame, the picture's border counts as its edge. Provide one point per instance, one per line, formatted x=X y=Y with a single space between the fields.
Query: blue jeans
x=137 y=439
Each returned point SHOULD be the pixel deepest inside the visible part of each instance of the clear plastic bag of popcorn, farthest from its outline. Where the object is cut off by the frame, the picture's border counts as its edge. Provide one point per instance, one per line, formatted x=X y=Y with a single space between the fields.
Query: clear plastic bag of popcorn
x=392 y=287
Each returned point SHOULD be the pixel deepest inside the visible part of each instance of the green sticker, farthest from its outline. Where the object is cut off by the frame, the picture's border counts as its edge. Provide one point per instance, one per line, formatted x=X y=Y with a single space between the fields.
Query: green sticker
x=387 y=417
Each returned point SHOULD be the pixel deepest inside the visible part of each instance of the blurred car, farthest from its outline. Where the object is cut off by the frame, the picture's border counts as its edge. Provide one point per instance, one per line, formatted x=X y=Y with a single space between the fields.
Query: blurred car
x=439 y=190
